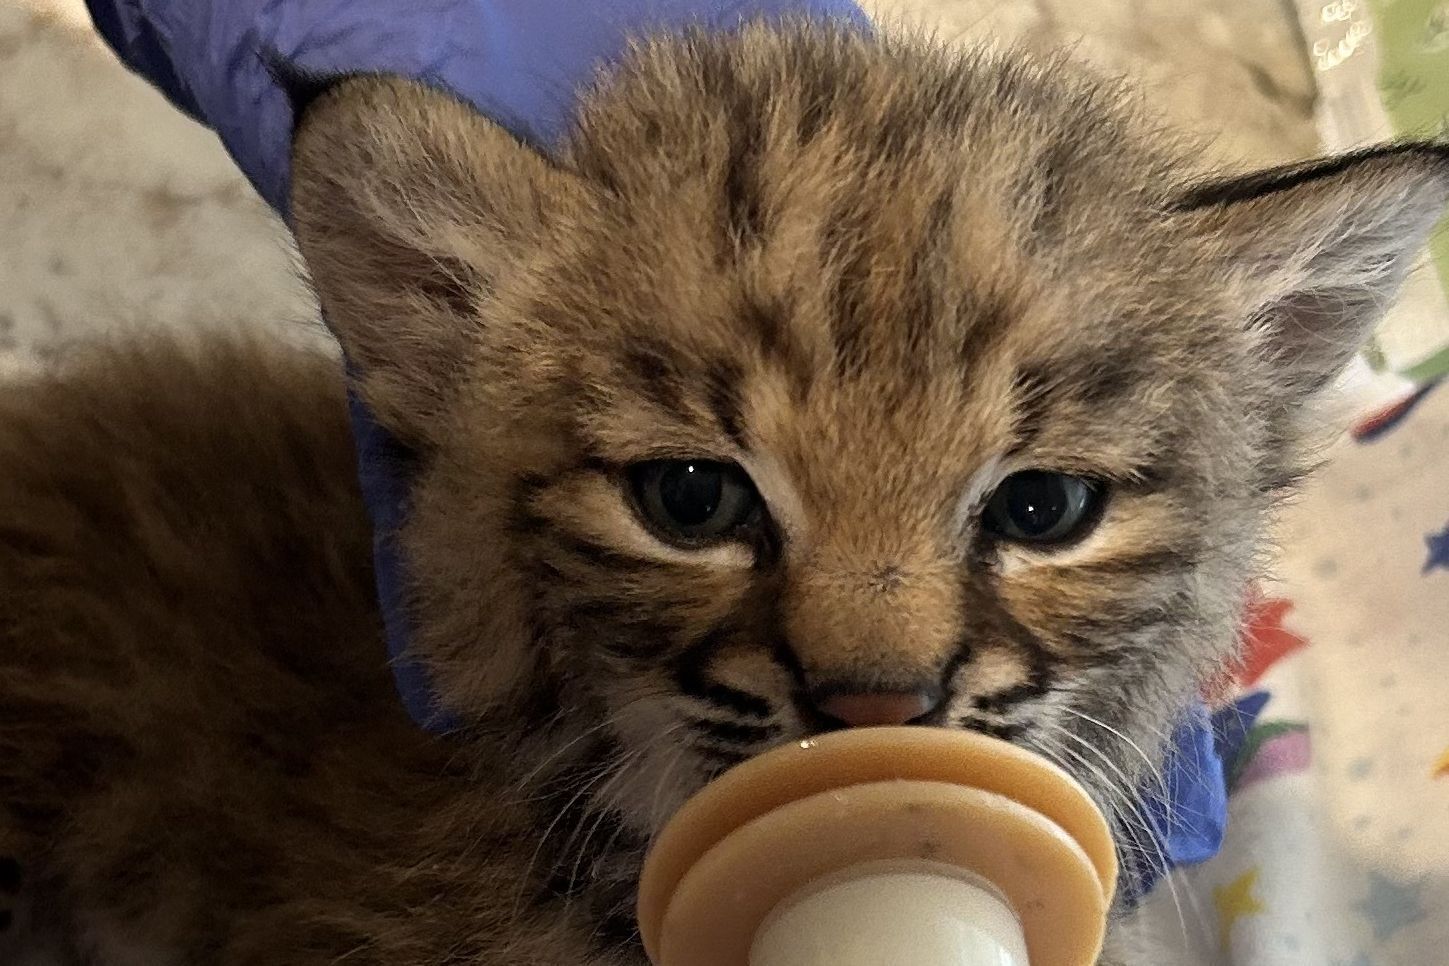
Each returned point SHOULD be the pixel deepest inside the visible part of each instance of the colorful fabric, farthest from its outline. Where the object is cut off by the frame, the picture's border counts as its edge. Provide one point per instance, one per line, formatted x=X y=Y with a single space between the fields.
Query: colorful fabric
x=1334 y=732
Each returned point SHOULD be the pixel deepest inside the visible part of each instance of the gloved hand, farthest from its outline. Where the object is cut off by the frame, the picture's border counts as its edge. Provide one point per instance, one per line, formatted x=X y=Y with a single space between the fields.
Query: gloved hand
x=521 y=62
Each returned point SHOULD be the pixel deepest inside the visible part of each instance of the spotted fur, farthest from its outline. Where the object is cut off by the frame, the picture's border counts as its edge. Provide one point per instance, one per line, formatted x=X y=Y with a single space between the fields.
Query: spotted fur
x=876 y=274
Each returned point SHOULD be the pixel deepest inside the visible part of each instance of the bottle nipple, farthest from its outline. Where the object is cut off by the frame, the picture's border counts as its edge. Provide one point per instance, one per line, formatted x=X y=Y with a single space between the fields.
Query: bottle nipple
x=892 y=846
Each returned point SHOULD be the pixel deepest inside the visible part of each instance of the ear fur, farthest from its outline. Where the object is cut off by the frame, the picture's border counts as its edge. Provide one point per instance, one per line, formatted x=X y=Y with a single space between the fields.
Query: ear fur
x=408 y=206
x=1319 y=251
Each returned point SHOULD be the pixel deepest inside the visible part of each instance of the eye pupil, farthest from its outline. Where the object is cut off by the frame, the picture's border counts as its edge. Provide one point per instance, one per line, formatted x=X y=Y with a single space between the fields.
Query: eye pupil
x=1037 y=502
x=1039 y=506
x=691 y=493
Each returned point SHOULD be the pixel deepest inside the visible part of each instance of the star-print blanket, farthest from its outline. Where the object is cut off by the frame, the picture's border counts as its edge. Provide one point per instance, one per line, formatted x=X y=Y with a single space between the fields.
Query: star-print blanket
x=1337 y=725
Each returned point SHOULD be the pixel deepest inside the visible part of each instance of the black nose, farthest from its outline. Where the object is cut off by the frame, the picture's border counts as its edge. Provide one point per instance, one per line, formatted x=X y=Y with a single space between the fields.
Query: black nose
x=862 y=709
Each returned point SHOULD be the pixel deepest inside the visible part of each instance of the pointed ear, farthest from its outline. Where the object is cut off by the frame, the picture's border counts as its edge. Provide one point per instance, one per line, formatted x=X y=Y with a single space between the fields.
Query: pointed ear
x=1319 y=251
x=408 y=206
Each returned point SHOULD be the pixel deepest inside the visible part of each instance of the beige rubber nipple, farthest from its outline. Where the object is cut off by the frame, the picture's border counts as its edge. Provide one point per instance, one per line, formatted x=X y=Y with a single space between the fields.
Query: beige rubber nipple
x=878 y=847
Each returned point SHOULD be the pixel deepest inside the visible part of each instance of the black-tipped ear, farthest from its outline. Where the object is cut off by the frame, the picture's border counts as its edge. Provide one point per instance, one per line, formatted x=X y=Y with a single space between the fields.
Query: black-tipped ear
x=1319 y=251
x=408 y=207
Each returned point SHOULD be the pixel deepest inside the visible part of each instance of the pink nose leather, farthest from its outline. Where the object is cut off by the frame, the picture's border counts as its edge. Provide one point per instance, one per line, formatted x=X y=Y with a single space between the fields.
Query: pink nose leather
x=865 y=710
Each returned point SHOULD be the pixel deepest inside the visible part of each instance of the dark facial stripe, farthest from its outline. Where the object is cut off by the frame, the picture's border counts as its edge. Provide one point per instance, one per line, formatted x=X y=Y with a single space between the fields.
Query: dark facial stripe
x=644 y=641
x=1162 y=560
x=620 y=628
x=986 y=619
x=893 y=137
x=922 y=311
x=1093 y=383
x=591 y=463
x=690 y=677
x=723 y=388
x=523 y=521
x=743 y=206
x=844 y=247
x=938 y=220
x=768 y=324
x=1030 y=389
x=655 y=376
x=1048 y=188
x=723 y=696
x=1112 y=651
x=817 y=101
x=982 y=322
x=1126 y=620
x=1038 y=682
x=601 y=557
x=1102 y=380
x=1001 y=701
x=744 y=119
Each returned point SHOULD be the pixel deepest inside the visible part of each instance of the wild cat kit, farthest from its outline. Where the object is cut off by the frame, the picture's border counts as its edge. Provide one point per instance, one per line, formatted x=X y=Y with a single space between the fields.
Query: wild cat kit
x=816 y=380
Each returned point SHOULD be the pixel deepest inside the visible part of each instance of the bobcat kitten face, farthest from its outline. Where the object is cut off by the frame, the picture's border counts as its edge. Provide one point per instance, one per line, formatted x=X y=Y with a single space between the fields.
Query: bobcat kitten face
x=820 y=380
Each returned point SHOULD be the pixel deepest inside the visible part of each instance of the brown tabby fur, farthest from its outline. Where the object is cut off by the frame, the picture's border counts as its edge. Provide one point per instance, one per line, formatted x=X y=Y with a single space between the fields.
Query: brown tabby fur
x=877 y=275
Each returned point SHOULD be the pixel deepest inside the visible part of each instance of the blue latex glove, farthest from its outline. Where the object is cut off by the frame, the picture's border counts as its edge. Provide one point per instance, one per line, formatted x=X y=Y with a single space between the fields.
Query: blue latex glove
x=1187 y=817
x=521 y=63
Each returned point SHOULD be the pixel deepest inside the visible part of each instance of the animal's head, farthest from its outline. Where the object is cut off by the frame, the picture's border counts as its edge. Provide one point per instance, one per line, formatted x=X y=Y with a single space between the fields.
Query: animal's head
x=820 y=381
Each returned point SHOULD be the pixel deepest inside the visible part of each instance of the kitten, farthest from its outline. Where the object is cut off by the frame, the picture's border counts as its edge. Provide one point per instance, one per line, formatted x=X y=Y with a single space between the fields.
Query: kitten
x=817 y=380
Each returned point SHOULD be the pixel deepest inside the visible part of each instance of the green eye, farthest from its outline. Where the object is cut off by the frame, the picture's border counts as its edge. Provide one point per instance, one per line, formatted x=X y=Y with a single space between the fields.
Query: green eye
x=694 y=500
x=1042 y=507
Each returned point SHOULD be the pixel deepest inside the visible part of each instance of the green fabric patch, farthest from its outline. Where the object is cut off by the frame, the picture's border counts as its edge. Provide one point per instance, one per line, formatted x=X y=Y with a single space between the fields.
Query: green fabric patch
x=1413 y=47
x=1260 y=735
